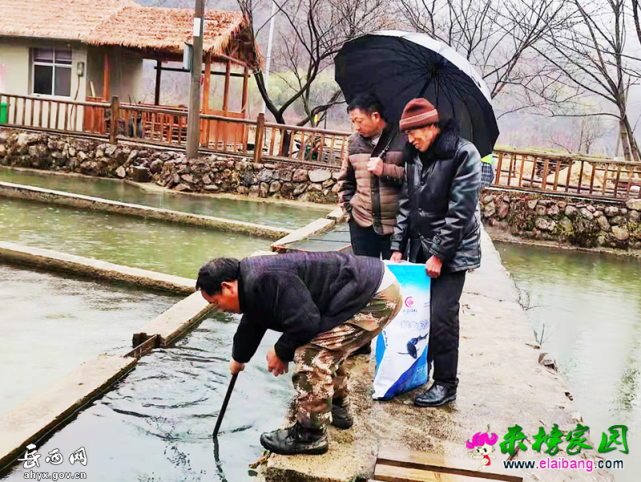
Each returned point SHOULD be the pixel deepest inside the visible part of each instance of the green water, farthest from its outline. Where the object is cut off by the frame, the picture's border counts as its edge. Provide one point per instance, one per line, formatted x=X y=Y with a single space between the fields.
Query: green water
x=588 y=309
x=164 y=247
x=51 y=324
x=272 y=214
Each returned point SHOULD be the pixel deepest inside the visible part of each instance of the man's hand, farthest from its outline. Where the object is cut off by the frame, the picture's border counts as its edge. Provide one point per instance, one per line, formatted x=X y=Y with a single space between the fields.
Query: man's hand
x=235 y=367
x=433 y=267
x=396 y=256
x=375 y=166
x=275 y=364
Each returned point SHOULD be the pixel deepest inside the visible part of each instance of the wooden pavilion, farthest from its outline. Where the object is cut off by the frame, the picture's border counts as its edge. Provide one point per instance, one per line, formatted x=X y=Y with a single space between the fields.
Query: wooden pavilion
x=91 y=50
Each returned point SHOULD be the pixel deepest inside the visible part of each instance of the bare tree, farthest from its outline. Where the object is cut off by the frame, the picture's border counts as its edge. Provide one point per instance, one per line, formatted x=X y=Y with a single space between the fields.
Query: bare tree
x=497 y=38
x=311 y=32
x=590 y=51
x=580 y=137
x=636 y=13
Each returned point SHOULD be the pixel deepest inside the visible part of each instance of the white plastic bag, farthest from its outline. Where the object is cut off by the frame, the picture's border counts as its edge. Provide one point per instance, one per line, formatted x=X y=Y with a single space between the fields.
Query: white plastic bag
x=401 y=348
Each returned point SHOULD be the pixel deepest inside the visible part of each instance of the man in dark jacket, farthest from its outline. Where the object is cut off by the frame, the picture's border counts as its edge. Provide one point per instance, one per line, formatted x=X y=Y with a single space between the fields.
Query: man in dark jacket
x=327 y=305
x=438 y=225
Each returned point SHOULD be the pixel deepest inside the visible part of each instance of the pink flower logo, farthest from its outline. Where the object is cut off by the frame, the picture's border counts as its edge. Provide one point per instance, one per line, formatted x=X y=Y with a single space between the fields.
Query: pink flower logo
x=409 y=302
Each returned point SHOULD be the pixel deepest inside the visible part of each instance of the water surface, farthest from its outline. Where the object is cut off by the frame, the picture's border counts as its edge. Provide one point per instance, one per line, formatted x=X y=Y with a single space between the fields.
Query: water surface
x=272 y=214
x=51 y=324
x=156 y=424
x=586 y=308
x=164 y=247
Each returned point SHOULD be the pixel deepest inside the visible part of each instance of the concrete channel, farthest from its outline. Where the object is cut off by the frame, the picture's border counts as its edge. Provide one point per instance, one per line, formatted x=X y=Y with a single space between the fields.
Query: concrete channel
x=41 y=415
x=17 y=191
x=44 y=413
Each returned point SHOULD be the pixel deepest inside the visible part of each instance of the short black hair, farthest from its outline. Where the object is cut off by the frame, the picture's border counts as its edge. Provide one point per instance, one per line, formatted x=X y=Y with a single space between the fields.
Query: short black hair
x=368 y=103
x=214 y=273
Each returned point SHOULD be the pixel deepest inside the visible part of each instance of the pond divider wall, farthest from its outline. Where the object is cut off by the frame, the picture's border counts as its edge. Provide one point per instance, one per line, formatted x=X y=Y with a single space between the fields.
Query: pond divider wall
x=315 y=227
x=92 y=268
x=29 y=193
x=44 y=413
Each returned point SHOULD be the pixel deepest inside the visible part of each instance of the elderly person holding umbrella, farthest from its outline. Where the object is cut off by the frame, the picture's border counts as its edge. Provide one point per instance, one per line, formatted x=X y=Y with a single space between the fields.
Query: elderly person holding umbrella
x=437 y=225
x=445 y=109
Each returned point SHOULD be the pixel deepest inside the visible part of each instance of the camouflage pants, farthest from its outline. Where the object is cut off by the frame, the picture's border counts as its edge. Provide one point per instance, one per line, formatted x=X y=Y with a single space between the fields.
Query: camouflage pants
x=319 y=374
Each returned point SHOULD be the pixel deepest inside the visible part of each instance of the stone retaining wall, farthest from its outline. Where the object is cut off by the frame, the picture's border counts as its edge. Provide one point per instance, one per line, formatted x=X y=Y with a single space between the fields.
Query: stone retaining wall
x=170 y=169
x=575 y=221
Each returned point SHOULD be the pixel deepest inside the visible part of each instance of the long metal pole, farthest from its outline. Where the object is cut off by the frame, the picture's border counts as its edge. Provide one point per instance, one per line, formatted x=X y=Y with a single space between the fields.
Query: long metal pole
x=193 y=119
x=221 y=414
x=269 y=50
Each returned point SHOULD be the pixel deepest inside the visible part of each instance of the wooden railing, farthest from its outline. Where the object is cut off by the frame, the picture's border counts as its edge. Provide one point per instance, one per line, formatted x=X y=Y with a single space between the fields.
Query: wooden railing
x=167 y=126
x=567 y=174
x=235 y=135
x=304 y=145
x=64 y=116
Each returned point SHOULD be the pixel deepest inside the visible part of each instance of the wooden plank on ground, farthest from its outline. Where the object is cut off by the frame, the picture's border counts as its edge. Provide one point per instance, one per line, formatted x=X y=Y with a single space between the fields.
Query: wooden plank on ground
x=438 y=463
x=389 y=473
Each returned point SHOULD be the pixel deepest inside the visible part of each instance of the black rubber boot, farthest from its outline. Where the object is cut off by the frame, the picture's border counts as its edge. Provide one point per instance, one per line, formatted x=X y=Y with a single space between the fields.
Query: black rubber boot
x=436 y=396
x=296 y=440
x=341 y=418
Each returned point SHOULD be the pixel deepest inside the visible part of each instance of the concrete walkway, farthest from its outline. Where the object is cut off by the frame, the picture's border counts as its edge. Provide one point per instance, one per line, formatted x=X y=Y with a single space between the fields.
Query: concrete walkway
x=501 y=384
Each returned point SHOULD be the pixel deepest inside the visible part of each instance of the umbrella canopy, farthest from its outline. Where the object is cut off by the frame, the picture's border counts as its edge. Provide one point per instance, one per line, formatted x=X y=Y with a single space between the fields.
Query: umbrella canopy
x=399 y=66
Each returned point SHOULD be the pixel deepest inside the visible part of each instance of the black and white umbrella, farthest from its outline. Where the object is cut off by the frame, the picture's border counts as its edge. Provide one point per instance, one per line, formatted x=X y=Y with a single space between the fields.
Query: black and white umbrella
x=400 y=66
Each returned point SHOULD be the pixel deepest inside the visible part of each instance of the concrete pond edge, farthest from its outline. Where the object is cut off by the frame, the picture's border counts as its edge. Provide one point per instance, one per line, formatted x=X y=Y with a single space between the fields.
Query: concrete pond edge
x=319 y=226
x=29 y=193
x=92 y=268
x=40 y=415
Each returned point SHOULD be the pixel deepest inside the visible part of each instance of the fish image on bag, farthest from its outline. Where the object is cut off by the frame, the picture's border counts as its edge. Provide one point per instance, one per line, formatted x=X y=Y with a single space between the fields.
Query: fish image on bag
x=411 y=346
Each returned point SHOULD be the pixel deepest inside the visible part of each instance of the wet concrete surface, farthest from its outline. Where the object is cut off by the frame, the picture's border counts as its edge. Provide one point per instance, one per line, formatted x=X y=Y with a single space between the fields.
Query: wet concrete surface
x=163 y=247
x=272 y=214
x=50 y=324
x=156 y=424
x=501 y=384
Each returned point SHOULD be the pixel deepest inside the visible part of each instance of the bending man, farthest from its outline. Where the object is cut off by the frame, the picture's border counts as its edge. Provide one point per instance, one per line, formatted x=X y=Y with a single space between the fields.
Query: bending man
x=327 y=305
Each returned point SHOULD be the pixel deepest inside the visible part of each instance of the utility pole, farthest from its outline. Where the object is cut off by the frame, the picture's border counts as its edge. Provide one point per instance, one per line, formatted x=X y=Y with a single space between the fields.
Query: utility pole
x=193 y=119
x=269 y=50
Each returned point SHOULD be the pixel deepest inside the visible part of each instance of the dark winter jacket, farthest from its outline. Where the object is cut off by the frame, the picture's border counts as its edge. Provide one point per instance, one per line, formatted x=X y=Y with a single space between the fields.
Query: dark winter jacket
x=300 y=295
x=438 y=205
x=373 y=200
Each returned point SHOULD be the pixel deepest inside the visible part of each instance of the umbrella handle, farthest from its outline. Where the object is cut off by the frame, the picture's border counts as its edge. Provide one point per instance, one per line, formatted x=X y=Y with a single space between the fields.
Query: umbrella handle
x=224 y=407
